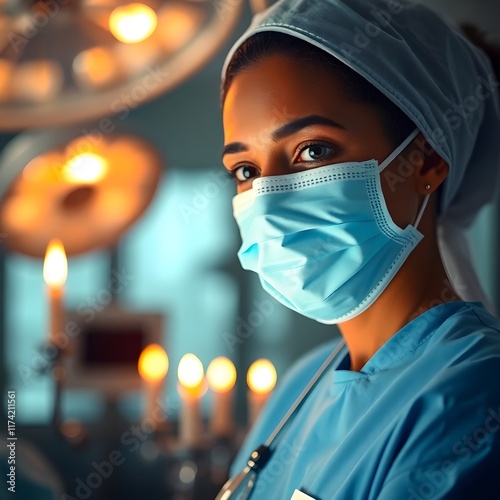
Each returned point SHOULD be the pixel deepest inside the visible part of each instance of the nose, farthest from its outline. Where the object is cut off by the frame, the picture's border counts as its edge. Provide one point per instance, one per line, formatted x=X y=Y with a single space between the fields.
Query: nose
x=275 y=164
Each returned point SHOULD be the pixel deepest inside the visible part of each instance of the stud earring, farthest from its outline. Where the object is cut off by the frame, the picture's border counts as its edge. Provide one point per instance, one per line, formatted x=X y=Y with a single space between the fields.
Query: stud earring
x=427 y=186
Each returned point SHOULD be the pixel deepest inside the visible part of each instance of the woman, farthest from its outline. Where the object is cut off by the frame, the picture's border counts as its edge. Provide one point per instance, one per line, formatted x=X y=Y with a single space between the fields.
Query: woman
x=357 y=131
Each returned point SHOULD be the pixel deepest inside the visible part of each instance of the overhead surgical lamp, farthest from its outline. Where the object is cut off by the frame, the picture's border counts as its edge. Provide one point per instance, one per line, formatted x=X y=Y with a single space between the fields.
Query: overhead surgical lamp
x=84 y=190
x=67 y=61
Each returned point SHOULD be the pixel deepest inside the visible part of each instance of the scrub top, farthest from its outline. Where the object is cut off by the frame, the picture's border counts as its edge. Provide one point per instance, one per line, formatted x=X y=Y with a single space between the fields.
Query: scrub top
x=420 y=420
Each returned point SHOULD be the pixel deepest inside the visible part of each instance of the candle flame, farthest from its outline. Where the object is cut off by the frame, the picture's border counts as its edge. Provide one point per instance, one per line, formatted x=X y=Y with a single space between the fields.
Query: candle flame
x=221 y=374
x=261 y=376
x=132 y=23
x=153 y=363
x=55 y=266
x=190 y=371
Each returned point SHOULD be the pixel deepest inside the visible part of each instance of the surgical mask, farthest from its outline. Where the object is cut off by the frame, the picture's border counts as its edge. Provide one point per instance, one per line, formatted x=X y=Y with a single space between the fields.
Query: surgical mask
x=322 y=241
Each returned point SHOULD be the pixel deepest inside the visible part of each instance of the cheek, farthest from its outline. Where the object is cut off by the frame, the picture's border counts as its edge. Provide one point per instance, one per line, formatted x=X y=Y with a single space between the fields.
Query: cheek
x=400 y=194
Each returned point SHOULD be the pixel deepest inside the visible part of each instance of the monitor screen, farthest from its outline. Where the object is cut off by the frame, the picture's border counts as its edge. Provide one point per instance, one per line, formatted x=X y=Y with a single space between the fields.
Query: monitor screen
x=111 y=345
x=105 y=355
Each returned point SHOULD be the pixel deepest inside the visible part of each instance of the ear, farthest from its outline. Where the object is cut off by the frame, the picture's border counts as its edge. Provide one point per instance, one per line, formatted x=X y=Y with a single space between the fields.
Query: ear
x=432 y=170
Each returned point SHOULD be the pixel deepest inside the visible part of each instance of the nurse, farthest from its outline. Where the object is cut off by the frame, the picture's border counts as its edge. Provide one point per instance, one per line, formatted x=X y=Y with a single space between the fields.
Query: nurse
x=363 y=137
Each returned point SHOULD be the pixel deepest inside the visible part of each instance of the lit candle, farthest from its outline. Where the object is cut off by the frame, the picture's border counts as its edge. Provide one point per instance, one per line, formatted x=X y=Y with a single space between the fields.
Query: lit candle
x=153 y=368
x=261 y=379
x=221 y=375
x=55 y=272
x=191 y=388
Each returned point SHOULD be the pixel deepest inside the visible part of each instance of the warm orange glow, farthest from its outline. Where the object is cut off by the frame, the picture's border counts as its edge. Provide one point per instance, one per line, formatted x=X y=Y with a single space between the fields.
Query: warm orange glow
x=132 y=23
x=95 y=67
x=55 y=266
x=190 y=371
x=19 y=212
x=153 y=363
x=6 y=69
x=221 y=374
x=261 y=376
x=85 y=167
x=37 y=80
x=36 y=169
x=178 y=23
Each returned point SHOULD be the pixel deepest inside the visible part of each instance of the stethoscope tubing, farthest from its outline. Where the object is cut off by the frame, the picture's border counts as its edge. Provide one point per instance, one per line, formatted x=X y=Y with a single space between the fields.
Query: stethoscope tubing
x=261 y=455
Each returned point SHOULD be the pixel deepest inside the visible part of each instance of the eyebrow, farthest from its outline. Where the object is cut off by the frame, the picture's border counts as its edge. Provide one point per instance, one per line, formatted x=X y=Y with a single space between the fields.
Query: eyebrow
x=285 y=130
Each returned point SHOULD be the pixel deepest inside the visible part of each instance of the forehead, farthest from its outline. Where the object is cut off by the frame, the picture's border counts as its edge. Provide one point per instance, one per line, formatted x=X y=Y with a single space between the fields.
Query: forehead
x=277 y=89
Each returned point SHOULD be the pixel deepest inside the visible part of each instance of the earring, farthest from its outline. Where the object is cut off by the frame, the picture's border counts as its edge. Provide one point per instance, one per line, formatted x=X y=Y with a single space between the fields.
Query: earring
x=427 y=186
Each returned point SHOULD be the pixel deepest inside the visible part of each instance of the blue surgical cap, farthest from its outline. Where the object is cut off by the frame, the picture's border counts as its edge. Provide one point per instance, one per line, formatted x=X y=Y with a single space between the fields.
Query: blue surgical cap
x=432 y=73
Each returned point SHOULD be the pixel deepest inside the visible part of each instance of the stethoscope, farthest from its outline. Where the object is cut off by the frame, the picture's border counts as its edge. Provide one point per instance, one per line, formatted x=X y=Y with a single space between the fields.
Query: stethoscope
x=245 y=481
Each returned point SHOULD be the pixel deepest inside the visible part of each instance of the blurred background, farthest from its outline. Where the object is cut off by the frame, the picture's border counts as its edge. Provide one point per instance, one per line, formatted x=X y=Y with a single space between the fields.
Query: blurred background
x=118 y=250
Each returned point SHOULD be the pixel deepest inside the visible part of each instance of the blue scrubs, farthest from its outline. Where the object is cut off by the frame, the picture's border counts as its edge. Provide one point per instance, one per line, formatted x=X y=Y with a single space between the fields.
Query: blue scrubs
x=421 y=419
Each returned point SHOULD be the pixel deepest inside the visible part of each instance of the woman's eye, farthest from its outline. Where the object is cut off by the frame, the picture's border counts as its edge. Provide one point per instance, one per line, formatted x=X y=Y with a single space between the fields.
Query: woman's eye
x=244 y=173
x=314 y=152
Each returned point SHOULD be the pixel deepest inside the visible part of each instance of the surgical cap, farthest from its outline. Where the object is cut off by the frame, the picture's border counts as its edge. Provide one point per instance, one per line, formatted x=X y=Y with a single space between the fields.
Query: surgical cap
x=433 y=74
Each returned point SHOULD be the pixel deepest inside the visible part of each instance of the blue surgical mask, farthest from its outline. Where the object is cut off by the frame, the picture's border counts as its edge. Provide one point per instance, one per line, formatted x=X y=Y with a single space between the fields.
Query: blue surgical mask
x=322 y=241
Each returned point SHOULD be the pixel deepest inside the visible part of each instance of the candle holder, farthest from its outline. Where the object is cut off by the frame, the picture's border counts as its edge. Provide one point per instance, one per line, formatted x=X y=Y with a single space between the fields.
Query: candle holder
x=199 y=472
x=51 y=354
x=53 y=366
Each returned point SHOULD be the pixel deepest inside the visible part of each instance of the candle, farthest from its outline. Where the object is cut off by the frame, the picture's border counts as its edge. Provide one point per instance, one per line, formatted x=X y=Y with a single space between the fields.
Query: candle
x=153 y=368
x=55 y=272
x=261 y=379
x=191 y=388
x=221 y=375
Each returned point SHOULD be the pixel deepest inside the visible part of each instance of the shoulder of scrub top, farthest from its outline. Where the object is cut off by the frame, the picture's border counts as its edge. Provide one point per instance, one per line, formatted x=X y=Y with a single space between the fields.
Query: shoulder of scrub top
x=463 y=353
x=285 y=393
x=472 y=331
x=484 y=316
x=452 y=427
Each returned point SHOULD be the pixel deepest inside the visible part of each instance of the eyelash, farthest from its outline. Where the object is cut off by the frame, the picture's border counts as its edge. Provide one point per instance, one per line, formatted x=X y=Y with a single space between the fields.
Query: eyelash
x=299 y=150
x=232 y=173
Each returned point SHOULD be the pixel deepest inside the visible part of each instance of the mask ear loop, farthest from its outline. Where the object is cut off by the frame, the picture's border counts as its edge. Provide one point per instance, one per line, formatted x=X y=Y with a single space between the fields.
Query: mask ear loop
x=391 y=157
x=421 y=211
x=398 y=150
